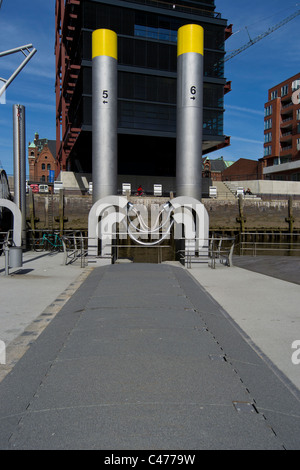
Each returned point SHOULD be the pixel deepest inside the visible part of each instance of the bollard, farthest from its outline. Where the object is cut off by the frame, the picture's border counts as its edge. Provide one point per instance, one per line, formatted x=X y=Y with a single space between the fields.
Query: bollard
x=189 y=111
x=13 y=258
x=104 y=113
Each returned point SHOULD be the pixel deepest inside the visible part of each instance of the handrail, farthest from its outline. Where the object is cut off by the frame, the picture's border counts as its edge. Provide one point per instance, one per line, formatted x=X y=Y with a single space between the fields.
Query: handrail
x=254 y=246
x=210 y=253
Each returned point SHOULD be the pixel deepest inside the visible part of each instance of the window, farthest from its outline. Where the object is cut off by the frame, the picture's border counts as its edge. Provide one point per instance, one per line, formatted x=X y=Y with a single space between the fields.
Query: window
x=298 y=114
x=43 y=166
x=295 y=85
x=268 y=124
x=284 y=90
x=268 y=137
x=295 y=177
x=268 y=110
x=267 y=150
x=274 y=94
x=48 y=166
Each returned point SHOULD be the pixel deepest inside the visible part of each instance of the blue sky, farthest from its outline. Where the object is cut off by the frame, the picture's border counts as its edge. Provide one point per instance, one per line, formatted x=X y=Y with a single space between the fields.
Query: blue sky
x=252 y=72
x=260 y=67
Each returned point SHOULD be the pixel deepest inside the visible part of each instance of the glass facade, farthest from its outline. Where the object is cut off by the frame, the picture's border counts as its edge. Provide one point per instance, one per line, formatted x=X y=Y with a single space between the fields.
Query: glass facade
x=147 y=63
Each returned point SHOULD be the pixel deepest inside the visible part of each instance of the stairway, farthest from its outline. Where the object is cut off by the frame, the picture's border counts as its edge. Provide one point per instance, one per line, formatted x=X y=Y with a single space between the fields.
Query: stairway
x=232 y=186
x=223 y=192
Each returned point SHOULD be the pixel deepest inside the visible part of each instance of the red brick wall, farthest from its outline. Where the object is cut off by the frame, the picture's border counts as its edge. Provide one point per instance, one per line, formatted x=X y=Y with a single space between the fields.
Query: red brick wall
x=243 y=169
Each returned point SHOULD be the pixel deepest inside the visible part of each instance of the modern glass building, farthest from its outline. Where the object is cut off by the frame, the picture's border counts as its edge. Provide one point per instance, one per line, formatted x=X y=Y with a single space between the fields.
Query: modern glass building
x=147 y=61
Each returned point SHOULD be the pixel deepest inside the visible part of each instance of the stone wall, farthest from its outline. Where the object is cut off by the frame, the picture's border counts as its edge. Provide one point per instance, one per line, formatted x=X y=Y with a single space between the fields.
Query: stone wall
x=258 y=215
x=223 y=214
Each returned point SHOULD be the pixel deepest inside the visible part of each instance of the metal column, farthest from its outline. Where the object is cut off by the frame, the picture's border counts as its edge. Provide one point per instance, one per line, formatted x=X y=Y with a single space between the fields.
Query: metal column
x=189 y=111
x=104 y=113
x=19 y=146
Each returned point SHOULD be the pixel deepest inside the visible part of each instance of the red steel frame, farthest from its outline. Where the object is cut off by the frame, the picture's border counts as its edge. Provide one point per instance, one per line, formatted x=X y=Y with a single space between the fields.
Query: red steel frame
x=66 y=14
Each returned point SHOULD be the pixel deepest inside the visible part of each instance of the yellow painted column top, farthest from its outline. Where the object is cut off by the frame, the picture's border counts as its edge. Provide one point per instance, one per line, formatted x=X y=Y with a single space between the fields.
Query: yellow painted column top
x=104 y=42
x=190 y=38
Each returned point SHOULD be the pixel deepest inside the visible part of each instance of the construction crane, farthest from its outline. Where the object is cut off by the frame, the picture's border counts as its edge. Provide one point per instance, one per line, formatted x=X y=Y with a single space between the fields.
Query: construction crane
x=261 y=36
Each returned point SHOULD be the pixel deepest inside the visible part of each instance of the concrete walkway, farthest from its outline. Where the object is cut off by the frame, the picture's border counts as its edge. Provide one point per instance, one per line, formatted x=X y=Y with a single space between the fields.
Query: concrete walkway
x=145 y=356
x=265 y=308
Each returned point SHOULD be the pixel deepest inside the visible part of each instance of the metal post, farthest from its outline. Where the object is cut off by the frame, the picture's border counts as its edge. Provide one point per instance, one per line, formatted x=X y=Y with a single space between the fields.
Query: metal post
x=6 y=253
x=104 y=113
x=189 y=111
x=19 y=146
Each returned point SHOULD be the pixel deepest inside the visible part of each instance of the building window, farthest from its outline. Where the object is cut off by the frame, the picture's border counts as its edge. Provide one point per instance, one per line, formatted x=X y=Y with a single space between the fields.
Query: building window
x=298 y=114
x=268 y=137
x=268 y=124
x=43 y=178
x=295 y=85
x=284 y=90
x=274 y=94
x=267 y=150
x=43 y=166
x=268 y=110
x=162 y=34
x=48 y=166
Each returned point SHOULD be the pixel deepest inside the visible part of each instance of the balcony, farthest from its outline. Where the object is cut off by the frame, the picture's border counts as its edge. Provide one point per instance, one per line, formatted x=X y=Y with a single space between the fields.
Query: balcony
x=286 y=105
x=286 y=136
x=294 y=165
x=287 y=122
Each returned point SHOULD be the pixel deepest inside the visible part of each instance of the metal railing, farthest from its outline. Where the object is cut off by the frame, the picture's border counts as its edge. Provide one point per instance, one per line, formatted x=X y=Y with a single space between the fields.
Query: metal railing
x=249 y=243
x=214 y=249
x=5 y=239
x=75 y=247
x=182 y=8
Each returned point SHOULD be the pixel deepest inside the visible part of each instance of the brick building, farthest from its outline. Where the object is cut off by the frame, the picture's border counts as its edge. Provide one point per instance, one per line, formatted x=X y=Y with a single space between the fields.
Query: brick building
x=244 y=169
x=214 y=169
x=41 y=159
x=282 y=131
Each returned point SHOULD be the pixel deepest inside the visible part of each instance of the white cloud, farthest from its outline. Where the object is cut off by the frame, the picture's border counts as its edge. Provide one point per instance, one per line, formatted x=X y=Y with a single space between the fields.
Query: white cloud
x=245 y=109
x=243 y=139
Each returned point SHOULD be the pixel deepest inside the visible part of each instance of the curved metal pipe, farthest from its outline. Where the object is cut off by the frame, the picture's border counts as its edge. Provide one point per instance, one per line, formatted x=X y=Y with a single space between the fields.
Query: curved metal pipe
x=151 y=243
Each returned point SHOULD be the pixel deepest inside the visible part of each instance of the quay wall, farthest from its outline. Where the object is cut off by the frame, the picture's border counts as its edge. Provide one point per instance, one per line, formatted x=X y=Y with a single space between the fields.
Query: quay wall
x=45 y=211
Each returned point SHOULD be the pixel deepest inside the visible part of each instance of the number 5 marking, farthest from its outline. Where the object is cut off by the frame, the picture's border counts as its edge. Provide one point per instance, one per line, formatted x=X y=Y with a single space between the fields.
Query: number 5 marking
x=105 y=96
